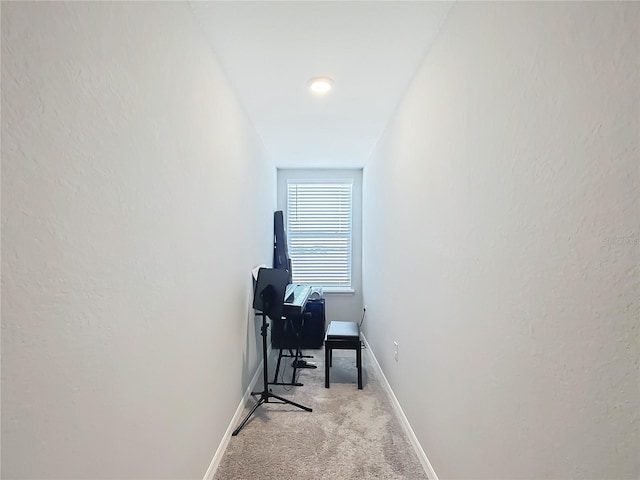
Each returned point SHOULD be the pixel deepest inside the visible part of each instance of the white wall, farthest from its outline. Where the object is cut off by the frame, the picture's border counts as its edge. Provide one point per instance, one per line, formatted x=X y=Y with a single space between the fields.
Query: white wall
x=345 y=306
x=501 y=233
x=136 y=198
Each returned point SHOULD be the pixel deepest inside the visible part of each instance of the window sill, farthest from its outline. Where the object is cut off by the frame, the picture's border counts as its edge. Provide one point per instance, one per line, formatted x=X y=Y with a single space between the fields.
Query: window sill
x=332 y=290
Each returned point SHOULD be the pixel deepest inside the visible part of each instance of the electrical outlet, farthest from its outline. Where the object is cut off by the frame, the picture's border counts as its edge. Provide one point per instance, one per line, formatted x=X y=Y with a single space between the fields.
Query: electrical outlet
x=395 y=350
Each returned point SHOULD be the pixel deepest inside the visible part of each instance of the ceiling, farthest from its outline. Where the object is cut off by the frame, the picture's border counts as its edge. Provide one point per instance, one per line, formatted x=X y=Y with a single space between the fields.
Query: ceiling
x=270 y=49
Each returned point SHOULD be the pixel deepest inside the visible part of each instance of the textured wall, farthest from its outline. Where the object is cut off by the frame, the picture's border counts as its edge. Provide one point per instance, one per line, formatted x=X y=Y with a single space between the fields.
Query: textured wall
x=501 y=232
x=135 y=200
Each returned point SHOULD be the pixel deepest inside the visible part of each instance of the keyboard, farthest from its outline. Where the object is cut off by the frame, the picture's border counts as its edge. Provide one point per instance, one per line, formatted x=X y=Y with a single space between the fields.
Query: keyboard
x=295 y=298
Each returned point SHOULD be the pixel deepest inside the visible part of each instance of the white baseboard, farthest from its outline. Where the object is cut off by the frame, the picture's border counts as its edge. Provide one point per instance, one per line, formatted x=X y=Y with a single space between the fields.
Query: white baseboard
x=217 y=457
x=426 y=464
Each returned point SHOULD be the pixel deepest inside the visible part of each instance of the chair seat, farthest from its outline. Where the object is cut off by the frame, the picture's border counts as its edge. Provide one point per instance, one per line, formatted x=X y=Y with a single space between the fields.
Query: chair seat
x=343 y=331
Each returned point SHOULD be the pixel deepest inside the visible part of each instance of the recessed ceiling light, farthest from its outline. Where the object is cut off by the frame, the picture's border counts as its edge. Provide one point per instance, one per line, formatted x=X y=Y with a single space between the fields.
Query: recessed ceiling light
x=320 y=85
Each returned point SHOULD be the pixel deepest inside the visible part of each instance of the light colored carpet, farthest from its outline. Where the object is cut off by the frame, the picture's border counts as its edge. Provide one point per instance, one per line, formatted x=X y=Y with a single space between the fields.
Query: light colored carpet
x=351 y=433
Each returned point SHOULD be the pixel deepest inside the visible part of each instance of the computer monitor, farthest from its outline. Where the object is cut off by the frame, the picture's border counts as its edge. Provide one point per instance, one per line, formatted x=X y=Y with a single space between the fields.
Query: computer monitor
x=268 y=295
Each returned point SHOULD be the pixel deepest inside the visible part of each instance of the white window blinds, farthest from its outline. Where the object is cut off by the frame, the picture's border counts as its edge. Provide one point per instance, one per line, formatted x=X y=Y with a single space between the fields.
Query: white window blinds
x=319 y=233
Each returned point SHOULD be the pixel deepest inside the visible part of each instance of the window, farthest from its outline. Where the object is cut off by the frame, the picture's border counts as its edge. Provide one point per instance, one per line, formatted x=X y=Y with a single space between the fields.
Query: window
x=319 y=219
